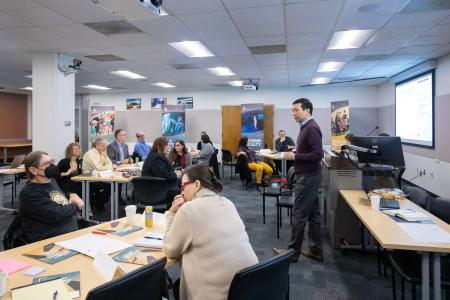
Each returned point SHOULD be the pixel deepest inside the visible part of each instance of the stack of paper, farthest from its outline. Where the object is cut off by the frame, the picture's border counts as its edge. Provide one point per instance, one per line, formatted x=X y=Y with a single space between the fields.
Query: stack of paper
x=89 y=244
x=407 y=214
x=150 y=240
x=53 y=289
x=426 y=233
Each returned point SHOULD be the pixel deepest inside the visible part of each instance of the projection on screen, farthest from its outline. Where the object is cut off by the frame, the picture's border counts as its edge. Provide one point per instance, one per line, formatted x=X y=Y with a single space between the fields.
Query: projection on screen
x=414 y=110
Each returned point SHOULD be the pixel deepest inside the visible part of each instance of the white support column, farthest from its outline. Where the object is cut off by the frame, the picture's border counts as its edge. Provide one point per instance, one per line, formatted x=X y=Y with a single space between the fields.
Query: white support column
x=53 y=105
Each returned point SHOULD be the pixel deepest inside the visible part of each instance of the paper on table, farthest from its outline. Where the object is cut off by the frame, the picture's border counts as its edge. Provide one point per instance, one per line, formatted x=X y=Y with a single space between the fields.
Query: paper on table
x=105 y=265
x=426 y=233
x=159 y=219
x=89 y=244
x=10 y=265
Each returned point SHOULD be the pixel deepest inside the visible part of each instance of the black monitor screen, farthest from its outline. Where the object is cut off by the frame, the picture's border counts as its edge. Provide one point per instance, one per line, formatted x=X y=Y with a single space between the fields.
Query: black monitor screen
x=388 y=150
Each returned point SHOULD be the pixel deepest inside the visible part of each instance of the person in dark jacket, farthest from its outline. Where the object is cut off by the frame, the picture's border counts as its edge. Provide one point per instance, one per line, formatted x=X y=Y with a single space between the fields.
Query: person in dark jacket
x=68 y=167
x=283 y=143
x=157 y=165
x=45 y=210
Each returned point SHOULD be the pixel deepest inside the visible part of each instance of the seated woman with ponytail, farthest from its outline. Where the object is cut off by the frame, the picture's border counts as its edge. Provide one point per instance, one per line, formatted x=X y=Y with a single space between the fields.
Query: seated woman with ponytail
x=205 y=232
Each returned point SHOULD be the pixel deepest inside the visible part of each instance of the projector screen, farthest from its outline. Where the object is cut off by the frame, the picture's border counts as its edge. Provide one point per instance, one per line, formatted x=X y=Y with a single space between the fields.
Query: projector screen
x=414 y=110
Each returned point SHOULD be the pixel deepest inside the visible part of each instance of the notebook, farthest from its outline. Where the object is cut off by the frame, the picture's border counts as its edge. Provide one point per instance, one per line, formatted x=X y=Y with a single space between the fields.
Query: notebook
x=43 y=291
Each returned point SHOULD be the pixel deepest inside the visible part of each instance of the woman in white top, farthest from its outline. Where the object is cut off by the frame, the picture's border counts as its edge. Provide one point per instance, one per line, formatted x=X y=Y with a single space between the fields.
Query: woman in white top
x=205 y=232
x=207 y=150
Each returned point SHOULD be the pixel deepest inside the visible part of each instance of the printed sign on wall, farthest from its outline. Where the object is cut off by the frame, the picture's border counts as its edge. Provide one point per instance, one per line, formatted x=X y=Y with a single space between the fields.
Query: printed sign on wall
x=340 y=123
x=252 y=124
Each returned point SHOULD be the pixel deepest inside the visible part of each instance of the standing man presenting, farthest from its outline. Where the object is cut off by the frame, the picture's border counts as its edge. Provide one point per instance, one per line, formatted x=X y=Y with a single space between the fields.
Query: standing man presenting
x=308 y=178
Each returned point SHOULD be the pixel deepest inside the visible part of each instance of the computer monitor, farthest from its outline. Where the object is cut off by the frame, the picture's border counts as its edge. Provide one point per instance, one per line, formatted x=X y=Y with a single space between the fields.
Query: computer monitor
x=386 y=150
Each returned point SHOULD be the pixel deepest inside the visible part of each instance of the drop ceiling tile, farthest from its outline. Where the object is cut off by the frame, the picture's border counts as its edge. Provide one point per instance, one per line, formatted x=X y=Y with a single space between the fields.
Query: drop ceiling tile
x=271 y=59
x=312 y=16
x=227 y=46
x=156 y=51
x=415 y=49
x=236 y=4
x=380 y=50
x=431 y=40
x=416 y=19
x=396 y=35
x=258 y=15
x=438 y=30
x=274 y=68
x=180 y=7
x=256 y=30
x=11 y=22
x=211 y=25
x=313 y=38
x=40 y=16
x=9 y=5
x=134 y=39
x=33 y=33
x=445 y=21
x=166 y=29
x=85 y=12
x=265 y=40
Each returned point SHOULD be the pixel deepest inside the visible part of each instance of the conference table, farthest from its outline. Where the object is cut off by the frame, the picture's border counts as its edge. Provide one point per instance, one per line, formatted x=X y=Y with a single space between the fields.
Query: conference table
x=89 y=276
x=3 y=173
x=275 y=156
x=391 y=236
x=13 y=144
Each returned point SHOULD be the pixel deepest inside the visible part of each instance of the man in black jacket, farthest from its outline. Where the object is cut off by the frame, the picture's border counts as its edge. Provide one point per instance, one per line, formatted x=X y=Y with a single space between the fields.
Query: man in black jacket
x=46 y=212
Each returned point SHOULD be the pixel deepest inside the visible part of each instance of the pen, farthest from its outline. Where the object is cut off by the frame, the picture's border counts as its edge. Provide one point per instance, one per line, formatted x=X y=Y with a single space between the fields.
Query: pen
x=98 y=232
x=153 y=238
x=55 y=295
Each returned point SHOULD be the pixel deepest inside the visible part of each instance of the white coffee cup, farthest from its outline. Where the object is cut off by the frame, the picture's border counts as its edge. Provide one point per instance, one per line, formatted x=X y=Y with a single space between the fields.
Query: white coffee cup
x=375 y=202
x=130 y=211
x=3 y=282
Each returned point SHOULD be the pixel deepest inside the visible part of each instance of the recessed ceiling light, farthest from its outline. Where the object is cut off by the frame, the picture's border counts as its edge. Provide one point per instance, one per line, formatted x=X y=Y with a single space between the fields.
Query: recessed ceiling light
x=331 y=66
x=128 y=74
x=235 y=83
x=29 y=76
x=221 y=71
x=95 y=87
x=27 y=88
x=320 y=80
x=163 y=85
x=192 y=48
x=349 y=39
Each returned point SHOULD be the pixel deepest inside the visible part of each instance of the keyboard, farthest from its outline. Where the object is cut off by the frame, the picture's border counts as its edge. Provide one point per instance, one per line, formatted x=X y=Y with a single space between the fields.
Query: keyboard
x=390 y=204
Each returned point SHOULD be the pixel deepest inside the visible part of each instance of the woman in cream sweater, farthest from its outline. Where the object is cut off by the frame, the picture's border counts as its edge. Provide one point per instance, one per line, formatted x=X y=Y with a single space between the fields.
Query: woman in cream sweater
x=205 y=232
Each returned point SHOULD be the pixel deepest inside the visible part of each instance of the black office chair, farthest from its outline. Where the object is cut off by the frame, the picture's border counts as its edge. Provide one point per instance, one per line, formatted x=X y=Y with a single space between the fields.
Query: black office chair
x=408 y=263
x=150 y=191
x=286 y=201
x=15 y=234
x=146 y=283
x=418 y=195
x=214 y=164
x=227 y=160
x=244 y=171
x=266 y=280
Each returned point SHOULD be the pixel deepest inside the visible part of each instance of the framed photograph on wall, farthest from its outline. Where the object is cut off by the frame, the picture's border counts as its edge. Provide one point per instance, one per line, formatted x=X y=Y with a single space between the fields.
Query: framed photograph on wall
x=134 y=104
x=157 y=103
x=188 y=102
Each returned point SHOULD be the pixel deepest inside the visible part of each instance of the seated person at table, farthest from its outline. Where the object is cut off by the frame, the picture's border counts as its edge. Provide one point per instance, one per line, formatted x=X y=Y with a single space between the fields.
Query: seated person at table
x=179 y=158
x=96 y=159
x=284 y=144
x=69 y=167
x=45 y=210
x=118 y=150
x=141 y=149
x=157 y=165
x=199 y=144
x=253 y=163
x=207 y=150
x=205 y=232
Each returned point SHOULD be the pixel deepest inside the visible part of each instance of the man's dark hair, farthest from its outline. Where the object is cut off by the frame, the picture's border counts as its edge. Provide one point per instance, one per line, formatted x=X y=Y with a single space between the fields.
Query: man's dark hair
x=206 y=139
x=116 y=133
x=305 y=103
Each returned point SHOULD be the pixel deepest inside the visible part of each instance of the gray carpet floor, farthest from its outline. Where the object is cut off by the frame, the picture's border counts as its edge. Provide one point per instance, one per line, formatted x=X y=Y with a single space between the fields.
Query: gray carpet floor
x=349 y=275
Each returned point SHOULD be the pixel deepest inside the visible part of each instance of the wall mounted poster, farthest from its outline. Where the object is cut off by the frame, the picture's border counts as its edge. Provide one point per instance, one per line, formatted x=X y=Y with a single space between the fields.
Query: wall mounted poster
x=252 y=124
x=134 y=104
x=173 y=123
x=188 y=102
x=101 y=122
x=157 y=103
x=340 y=123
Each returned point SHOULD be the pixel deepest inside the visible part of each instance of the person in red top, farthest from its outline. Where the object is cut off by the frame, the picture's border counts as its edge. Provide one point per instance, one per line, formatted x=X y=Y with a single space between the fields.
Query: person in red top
x=307 y=163
x=179 y=157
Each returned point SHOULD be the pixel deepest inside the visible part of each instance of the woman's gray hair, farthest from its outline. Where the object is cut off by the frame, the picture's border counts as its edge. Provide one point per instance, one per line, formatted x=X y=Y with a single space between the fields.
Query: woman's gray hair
x=99 y=140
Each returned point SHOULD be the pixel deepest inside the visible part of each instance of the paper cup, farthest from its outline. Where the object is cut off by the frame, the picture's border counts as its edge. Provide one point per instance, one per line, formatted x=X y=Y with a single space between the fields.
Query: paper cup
x=375 y=202
x=130 y=211
x=3 y=282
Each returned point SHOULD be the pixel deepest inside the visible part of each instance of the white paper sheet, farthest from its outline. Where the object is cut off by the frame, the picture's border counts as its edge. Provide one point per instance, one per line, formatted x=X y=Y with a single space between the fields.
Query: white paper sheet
x=159 y=219
x=89 y=244
x=105 y=265
x=426 y=233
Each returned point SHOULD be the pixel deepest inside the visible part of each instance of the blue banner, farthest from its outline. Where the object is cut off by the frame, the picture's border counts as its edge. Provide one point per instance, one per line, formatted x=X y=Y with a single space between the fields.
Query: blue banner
x=252 y=124
x=173 y=123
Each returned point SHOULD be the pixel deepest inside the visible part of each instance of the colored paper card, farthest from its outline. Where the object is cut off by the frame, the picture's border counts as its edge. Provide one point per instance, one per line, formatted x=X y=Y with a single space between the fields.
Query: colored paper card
x=119 y=228
x=52 y=289
x=106 y=266
x=71 y=281
x=10 y=265
x=50 y=253
x=137 y=255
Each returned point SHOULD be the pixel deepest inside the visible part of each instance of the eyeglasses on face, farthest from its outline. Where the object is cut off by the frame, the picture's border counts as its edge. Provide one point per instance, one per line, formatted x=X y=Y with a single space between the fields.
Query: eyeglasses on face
x=183 y=185
x=178 y=145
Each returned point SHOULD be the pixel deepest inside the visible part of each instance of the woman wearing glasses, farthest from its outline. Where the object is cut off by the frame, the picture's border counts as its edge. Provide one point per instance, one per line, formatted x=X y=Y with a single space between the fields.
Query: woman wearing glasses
x=205 y=232
x=179 y=158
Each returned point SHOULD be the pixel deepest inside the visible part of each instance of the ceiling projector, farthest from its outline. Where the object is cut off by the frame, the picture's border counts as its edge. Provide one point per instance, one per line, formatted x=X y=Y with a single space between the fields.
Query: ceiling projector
x=132 y=9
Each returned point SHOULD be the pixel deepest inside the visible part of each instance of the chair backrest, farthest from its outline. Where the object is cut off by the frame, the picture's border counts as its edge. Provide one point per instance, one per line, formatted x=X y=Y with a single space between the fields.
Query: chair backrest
x=242 y=168
x=17 y=161
x=267 y=280
x=15 y=235
x=146 y=283
x=150 y=190
x=418 y=195
x=440 y=207
x=226 y=156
